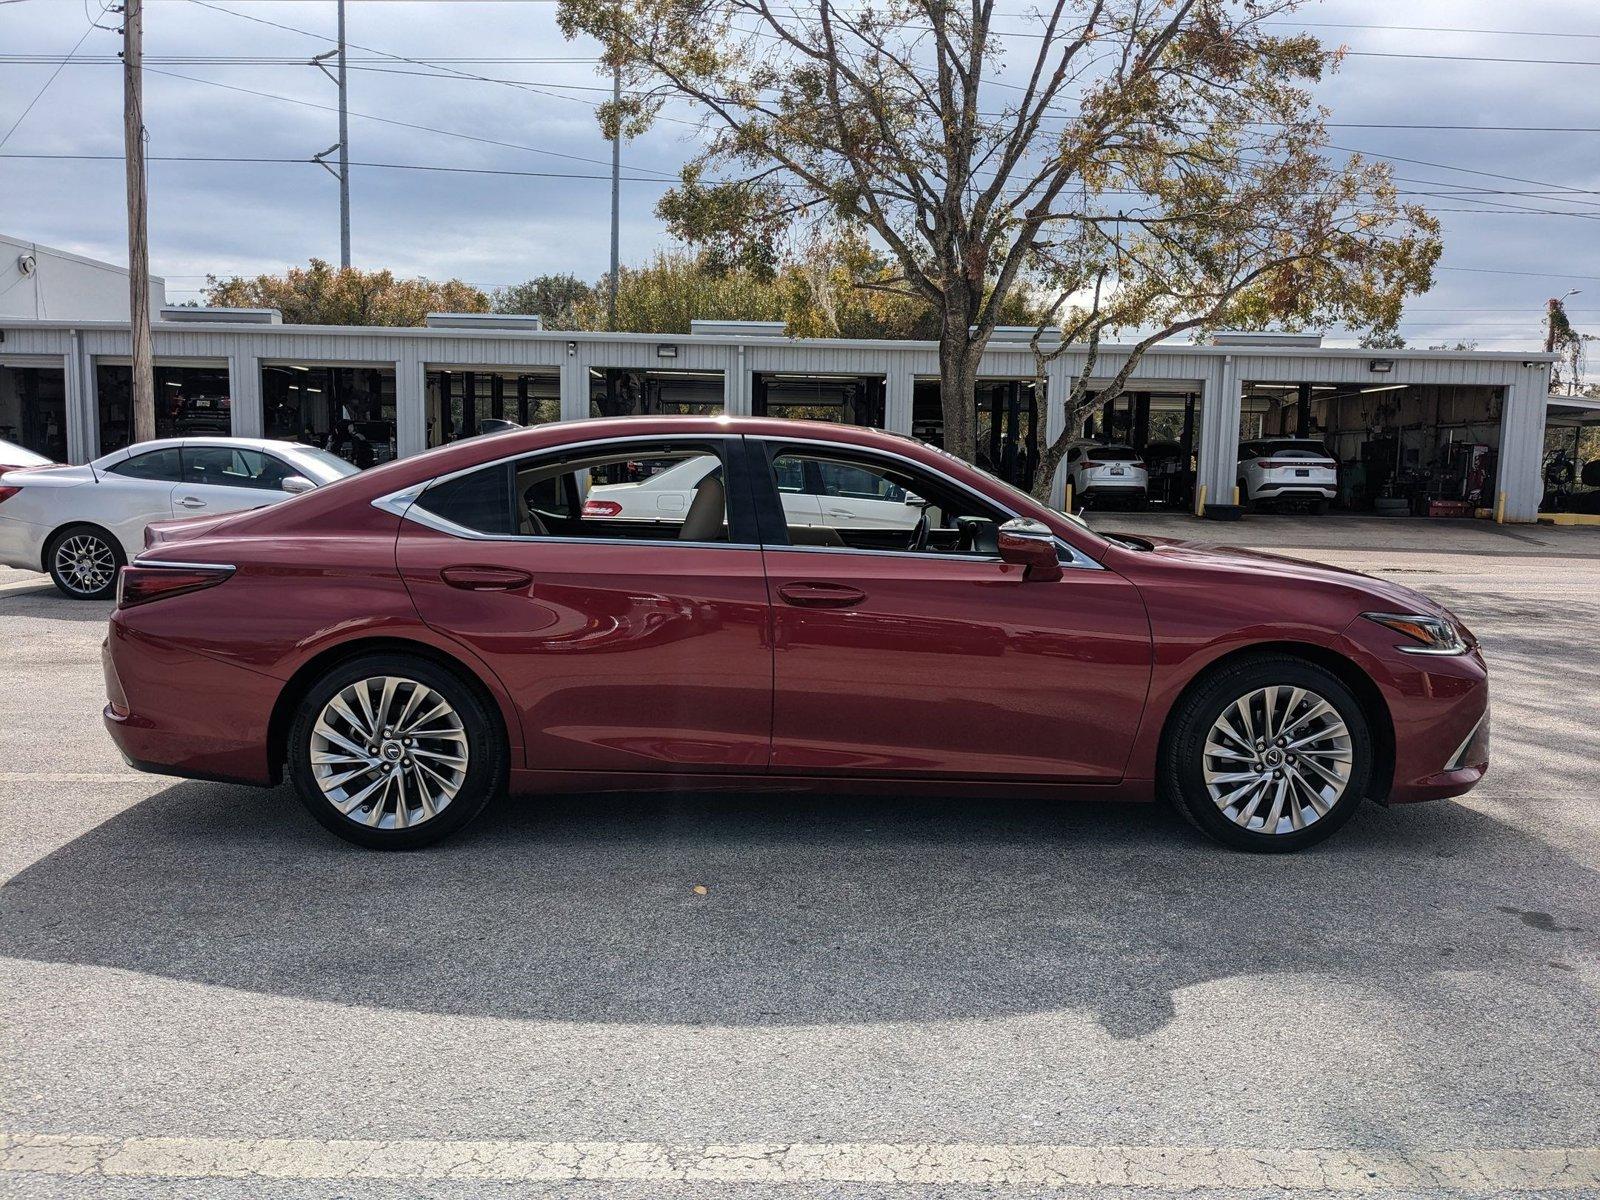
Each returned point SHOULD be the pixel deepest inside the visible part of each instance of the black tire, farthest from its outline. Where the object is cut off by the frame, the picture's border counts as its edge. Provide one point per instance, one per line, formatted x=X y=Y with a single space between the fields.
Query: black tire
x=97 y=546
x=1183 y=750
x=483 y=736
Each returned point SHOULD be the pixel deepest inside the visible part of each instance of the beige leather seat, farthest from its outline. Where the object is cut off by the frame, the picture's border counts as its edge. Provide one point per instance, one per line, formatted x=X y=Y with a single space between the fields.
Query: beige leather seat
x=708 y=512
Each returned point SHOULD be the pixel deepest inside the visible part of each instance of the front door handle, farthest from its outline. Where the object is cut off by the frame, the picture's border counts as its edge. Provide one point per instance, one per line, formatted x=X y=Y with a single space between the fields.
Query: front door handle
x=192 y=502
x=486 y=579
x=821 y=595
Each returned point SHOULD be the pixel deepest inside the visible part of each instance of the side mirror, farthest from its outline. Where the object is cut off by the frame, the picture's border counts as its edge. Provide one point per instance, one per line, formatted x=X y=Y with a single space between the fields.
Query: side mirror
x=295 y=484
x=1031 y=545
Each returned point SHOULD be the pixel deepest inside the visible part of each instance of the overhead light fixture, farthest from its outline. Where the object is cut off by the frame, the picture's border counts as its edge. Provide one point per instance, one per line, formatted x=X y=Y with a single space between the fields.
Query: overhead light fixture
x=1381 y=365
x=667 y=350
x=1391 y=387
x=572 y=349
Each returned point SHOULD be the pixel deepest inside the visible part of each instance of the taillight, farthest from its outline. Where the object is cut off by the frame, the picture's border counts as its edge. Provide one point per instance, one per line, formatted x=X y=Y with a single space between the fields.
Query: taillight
x=7 y=492
x=142 y=583
x=601 y=508
x=1089 y=462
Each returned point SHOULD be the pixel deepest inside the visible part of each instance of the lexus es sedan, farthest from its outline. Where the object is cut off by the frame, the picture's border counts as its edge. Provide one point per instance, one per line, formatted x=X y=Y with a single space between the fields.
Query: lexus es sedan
x=407 y=643
x=83 y=523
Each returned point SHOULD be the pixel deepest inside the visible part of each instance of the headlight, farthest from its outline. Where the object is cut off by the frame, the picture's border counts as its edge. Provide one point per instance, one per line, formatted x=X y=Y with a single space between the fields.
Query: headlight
x=1427 y=634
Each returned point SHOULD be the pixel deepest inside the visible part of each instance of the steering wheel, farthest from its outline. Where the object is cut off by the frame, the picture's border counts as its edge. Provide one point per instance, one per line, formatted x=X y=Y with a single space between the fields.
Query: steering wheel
x=919 y=535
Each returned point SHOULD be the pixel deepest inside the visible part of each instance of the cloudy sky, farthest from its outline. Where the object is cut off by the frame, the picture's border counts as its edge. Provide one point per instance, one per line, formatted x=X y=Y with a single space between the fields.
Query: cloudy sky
x=533 y=117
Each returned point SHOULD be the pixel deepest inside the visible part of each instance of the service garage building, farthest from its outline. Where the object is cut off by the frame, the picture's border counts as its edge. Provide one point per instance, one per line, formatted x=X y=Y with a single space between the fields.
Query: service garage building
x=1410 y=428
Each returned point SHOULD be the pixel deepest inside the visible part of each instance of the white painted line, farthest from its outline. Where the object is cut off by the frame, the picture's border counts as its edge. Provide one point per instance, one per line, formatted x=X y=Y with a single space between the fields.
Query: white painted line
x=1176 y=1169
x=77 y=777
x=23 y=585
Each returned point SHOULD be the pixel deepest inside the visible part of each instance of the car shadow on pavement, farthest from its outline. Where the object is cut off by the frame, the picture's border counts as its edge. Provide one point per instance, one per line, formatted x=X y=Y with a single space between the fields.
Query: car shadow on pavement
x=815 y=909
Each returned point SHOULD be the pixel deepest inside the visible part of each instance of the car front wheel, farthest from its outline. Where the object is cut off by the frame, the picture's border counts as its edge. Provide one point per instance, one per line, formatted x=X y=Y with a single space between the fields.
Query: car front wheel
x=1269 y=754
x=395 y=752
x=84 y=561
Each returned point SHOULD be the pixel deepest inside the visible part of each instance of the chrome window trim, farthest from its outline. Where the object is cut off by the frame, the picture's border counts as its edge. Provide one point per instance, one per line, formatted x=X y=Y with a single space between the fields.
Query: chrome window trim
x=402 y=503
x=182 y=566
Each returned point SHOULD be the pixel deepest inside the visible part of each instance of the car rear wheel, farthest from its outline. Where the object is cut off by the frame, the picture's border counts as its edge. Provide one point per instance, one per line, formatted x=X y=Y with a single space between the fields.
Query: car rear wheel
x=1269 y=754
x=395 y=752
x=84 y=561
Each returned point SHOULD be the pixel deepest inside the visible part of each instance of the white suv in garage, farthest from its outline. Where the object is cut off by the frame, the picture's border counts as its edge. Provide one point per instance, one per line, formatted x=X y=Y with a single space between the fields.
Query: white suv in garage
x=1101 y=472
x=1274 y=470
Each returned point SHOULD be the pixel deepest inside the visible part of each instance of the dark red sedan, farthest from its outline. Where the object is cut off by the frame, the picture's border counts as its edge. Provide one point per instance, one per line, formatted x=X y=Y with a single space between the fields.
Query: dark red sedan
x=767 y=602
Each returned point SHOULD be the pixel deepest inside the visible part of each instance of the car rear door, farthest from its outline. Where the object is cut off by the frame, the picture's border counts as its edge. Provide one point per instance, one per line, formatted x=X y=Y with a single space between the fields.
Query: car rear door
x=624 y=646
x=941 y=663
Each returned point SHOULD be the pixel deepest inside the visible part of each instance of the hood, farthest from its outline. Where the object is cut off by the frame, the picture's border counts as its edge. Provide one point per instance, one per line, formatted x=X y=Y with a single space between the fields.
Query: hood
x=1260 y=566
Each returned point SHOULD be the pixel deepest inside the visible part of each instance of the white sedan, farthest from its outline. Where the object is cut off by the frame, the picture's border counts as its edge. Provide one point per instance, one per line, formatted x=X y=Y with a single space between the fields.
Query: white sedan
x=817 y=495
x=81 y=524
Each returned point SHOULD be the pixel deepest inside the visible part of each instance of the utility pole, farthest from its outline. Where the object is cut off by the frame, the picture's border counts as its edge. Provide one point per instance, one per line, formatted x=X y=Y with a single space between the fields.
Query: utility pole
x=616 y=197
x=343 y=144
x=344 y=153
x=143 y=396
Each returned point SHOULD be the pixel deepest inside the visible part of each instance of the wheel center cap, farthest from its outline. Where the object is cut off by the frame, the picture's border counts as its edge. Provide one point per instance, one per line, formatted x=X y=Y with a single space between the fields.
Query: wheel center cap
x=1273 y=757
x=391 y=751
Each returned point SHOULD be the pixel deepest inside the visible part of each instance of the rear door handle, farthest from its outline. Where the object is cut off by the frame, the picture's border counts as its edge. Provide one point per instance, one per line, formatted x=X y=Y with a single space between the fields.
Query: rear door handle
x=192 y=502
x=486 y=579
x=821 y=595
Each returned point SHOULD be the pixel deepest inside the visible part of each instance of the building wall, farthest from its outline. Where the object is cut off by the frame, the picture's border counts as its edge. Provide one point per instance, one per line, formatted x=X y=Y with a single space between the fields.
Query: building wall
x=1217 y=373
x=64 y=287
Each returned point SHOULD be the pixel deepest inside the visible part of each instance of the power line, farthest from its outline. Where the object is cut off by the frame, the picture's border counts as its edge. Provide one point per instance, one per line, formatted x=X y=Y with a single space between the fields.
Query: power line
x=470 y=137
x=37 y=96
x=392 y=166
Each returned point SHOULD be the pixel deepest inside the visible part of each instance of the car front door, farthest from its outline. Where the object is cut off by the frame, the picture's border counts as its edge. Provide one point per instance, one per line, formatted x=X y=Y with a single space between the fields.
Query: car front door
x=222 y=479
x=943 y=661
x=625 y=646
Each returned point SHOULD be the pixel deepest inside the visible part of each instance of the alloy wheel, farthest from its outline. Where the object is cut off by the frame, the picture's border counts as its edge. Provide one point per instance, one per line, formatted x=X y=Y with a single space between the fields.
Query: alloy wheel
x=1277 y=759
x=389 y=752
x=85 y=563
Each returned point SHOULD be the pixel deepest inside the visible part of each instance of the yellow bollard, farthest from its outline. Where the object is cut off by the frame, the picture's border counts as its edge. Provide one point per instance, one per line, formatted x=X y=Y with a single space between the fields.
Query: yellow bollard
x=1236 y=495
x=1500 y=509
x=1068 y=506
x=1200 y=501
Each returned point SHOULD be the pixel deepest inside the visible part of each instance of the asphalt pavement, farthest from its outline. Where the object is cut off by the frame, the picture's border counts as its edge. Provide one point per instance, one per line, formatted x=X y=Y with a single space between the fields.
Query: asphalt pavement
x=206 y=995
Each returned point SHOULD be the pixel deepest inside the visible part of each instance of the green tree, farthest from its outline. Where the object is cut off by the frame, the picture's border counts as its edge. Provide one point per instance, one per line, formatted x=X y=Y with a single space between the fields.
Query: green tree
x=554 y=299
x=1148 y=166
x=319 y=294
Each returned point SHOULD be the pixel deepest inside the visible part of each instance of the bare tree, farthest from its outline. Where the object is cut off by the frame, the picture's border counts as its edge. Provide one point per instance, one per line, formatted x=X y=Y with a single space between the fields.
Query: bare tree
x=1102 y=132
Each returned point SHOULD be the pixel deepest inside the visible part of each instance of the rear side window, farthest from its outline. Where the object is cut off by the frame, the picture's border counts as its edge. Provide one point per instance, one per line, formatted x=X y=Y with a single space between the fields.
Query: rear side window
x=164 y=465
x=481 y=501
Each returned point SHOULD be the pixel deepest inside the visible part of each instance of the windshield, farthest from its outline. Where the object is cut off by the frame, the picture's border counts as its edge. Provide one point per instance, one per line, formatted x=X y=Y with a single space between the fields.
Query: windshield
x=329 y=466
x=1291 y=446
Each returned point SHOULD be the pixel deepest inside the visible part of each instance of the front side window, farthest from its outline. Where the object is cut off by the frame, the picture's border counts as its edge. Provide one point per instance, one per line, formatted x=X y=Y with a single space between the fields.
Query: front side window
x=162 y=465
x=645 y=491
x=228 y=466
x=860 y=502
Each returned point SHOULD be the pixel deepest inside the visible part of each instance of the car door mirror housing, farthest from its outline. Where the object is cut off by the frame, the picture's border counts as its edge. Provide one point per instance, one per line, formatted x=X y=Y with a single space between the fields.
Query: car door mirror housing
x=1032 y=546
x=295 y=484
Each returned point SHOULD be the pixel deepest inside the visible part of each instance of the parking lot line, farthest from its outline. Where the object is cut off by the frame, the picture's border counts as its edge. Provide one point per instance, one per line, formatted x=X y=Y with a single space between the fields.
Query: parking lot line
x=1160 y=1168
x=73 y=776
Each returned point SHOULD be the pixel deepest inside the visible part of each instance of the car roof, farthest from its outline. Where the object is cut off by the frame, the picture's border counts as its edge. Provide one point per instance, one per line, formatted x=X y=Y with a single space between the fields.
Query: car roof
x=247 y=443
